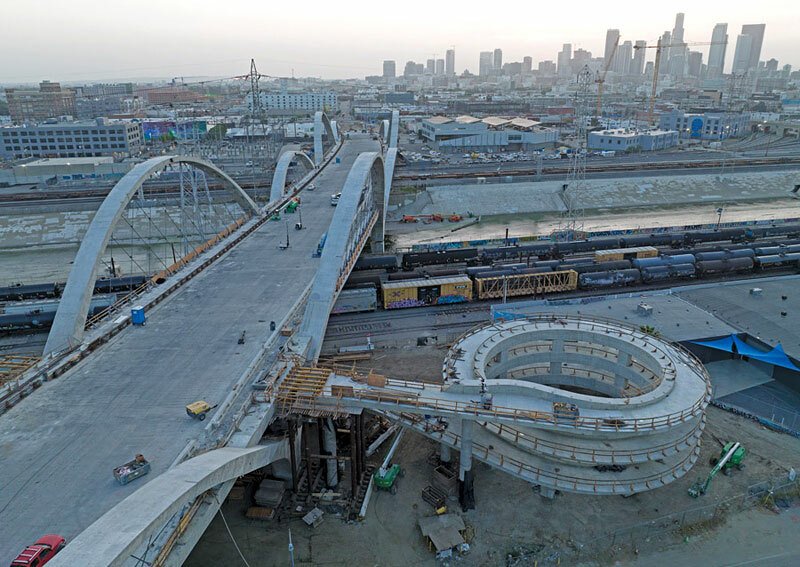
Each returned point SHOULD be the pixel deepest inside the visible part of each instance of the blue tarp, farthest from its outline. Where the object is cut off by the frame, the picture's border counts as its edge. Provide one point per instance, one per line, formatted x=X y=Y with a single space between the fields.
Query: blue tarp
x=776 y=356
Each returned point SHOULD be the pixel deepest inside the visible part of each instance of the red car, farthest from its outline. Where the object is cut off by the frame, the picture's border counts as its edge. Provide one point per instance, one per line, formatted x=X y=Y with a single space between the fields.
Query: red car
x=40 y=552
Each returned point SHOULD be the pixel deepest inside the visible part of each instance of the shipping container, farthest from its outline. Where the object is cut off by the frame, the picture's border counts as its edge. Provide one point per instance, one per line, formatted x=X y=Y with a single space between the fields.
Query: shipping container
x=432 y=291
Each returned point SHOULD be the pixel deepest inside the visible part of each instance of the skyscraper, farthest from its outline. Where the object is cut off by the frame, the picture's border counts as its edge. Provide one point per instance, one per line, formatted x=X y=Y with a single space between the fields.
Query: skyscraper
x=716 y=53
x=637 y=64
x=450 y=62
x=389 y=70
x=485 y=64
x=741 y=57
x=498 y=60
x=439 y=67
x=694 y=63
x=430 y=67
x=564 y=60
x=527 y=65
x=755 y=31
x=666 y=41
x=622 y=60
x=612 y=38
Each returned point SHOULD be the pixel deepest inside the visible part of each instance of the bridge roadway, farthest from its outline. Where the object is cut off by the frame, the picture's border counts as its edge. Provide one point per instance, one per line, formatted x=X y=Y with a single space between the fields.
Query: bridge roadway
x=59 y=446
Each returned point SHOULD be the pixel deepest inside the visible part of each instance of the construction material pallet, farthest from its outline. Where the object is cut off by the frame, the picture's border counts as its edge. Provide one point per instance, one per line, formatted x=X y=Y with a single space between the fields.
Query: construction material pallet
x=260 y=513
x=434 y=496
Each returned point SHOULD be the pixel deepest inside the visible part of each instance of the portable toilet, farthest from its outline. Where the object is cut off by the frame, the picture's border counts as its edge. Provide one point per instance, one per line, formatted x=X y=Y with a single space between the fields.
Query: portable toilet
x=137 y=315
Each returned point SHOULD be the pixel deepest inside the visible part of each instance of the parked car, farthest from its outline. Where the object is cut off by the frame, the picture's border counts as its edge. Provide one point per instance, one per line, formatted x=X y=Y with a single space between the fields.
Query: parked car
x=40 y=552
x=335 y=199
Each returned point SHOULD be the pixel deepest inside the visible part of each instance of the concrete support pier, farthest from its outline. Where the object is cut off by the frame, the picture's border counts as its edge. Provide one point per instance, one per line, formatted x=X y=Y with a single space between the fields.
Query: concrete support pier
x=445 y=454
x=466 y=491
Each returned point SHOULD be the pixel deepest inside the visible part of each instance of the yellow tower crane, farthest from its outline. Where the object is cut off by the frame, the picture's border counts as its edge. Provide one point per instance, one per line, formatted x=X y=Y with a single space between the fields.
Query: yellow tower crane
x=658 y=47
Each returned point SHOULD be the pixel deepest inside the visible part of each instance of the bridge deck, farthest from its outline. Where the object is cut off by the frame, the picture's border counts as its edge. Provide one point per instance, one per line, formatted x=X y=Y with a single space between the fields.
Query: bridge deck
x=59 y=446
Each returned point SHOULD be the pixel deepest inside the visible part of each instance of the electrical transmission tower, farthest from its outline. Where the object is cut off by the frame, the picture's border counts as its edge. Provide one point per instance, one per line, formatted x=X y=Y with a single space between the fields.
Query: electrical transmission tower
x=573 y=187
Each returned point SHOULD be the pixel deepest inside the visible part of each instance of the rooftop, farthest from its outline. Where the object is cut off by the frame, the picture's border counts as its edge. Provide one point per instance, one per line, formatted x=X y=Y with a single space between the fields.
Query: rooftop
x=56 y=162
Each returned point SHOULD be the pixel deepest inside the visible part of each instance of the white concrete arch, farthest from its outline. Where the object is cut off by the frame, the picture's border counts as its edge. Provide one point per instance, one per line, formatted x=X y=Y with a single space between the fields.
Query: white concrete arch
x=321 y=121
x=362 y=195
x=383 y=131
x=70 y=319
x=282 y=169
x=125 y=528
x=394 y=129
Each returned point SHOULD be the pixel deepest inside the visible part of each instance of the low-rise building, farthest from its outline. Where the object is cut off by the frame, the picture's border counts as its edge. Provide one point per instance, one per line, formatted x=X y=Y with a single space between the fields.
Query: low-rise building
x=28 y=106
x=706 y=126
x=299 y=102
x=58 y=170
x=492 y=133
x=72 y=139
x=624 y=139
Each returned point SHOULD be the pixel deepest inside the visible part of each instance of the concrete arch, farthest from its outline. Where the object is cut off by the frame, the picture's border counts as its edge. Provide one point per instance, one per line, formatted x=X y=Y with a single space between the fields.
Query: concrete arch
x=282 y=169
x=125 y=528
x=367 y=170
x=68 y=325
x=321 y=121
x=383 y=131
x=394 y=129
x=388 y=174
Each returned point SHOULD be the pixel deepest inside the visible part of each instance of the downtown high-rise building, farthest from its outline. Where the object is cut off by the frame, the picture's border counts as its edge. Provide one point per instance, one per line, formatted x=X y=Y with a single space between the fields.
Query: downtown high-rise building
x=612 y=39
x=430 y=67
x=741 y=57
x=439 y=67
x=389 y=70
x=676 y=63
x=450 y=62
x=637 y=63
x=565 y=60
x=756 y=32
x=622 y=60
x=497 y=60
x=716 y=52
x=666 y=42
x=485 y=63
x=527 y=65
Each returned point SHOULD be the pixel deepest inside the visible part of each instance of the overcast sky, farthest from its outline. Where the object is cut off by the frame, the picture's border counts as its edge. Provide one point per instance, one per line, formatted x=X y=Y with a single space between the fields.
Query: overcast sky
x=73 y=40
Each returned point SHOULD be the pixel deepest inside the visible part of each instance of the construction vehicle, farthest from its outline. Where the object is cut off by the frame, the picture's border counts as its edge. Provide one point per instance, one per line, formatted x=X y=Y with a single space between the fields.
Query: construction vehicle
x=386 y=479
x=424 y=218
x=731 y=456
x=657 y=64
x=199 y=409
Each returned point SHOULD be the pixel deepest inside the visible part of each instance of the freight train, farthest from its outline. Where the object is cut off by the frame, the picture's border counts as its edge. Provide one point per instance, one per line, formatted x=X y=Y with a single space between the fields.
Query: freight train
x=546 y=250
x=539 y=278
x=48 y=290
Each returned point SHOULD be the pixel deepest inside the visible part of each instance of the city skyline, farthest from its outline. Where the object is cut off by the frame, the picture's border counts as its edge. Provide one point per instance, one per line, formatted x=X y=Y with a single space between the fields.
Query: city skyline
x=179 y=42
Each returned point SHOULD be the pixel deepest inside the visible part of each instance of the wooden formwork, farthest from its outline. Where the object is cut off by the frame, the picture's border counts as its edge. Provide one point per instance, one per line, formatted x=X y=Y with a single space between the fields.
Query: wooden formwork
x=303 y=384
x=525 y=284
x=12 y=365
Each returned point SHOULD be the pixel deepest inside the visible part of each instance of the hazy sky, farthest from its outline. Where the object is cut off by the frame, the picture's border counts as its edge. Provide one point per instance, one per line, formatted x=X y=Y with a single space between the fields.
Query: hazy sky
x=72 y=40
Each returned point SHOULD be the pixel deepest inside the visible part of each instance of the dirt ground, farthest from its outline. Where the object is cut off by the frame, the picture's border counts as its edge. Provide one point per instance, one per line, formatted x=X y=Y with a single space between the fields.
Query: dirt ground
x=510 y=518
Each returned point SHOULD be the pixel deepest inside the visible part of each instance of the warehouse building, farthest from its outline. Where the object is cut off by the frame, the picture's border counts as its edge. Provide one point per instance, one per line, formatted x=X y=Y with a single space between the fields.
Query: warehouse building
x=624 y=139
x=72 y=139
x=706 y=126
x=302 y=102
x=493 y=133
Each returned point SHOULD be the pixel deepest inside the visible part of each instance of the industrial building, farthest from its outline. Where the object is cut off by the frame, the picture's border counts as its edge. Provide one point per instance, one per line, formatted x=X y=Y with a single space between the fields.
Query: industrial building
x=29 y=106
x=54 y=170
x=622 y=139
x=706 y=126
x=488 y=134
x=305 y=102
x=71 y=139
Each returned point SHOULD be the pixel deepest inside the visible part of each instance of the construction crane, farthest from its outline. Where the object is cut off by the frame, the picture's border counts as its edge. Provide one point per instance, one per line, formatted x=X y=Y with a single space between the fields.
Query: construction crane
x=600 y=79
x=658 y=47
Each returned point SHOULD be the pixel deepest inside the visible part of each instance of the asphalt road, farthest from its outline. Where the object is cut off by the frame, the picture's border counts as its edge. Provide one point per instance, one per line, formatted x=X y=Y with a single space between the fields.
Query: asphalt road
x=58 y=447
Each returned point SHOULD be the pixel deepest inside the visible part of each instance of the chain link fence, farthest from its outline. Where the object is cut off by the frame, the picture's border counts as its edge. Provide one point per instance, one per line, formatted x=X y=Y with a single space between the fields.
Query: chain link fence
x=660 y=531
